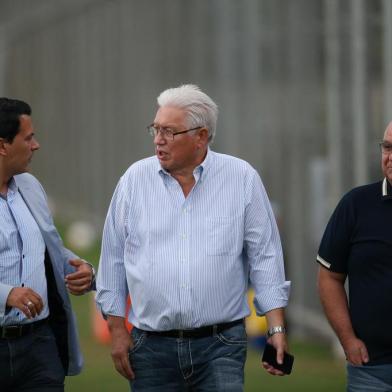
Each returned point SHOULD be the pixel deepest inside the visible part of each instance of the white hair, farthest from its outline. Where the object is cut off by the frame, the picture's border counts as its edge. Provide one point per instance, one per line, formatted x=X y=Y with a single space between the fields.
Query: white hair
x=200 y=108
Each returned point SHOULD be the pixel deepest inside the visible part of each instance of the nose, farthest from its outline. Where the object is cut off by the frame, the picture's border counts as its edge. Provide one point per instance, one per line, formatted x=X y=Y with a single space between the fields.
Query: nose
x=159 y=139
x=35 y=145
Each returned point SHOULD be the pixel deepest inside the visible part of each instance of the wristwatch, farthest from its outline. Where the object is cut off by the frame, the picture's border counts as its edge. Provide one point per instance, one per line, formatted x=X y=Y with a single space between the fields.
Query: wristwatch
x=276 y=329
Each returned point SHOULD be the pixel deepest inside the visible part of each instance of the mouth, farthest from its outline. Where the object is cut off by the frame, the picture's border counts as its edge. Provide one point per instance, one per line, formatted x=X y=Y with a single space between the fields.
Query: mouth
x=161 y=154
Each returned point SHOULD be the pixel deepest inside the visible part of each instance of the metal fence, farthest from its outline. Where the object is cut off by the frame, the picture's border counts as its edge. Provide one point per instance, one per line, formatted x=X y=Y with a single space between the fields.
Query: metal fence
x=304 y=89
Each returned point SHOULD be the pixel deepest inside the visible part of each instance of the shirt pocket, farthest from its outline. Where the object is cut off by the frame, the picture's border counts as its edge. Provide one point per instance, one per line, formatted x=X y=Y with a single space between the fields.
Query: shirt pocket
x=223 y=235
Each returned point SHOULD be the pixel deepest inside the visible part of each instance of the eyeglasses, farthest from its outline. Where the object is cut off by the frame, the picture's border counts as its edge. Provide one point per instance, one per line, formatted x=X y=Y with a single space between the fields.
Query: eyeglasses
x=386 y=148
x=166 y=133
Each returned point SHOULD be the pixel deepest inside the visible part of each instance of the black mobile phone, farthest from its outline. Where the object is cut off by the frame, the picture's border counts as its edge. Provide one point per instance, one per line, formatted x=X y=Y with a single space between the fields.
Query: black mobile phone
x=269 y=356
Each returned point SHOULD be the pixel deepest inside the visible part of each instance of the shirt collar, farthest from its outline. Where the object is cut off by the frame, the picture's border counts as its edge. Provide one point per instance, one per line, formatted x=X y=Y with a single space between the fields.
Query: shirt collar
x=386 y=189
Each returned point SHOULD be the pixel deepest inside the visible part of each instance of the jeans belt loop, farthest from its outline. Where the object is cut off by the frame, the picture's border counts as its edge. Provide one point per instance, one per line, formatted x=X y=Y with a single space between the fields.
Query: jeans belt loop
x=214 y=330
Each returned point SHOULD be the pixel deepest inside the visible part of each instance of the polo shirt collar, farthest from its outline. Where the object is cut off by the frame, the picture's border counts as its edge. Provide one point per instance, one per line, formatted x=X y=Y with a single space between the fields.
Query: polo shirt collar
x=386 y=189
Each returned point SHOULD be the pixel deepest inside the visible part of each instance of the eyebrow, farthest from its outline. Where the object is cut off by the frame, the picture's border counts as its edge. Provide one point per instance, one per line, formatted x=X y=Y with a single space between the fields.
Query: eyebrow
x=163 y=126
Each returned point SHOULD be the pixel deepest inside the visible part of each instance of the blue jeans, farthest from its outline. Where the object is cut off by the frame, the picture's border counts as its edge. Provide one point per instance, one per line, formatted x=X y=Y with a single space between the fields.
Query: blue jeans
x=376 y=378
x=165 y=364
x=31 y=363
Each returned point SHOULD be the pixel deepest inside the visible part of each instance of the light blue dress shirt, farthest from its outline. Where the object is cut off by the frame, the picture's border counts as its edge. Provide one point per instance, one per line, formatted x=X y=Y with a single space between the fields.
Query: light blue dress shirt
x=22 y=255
x=186 y=262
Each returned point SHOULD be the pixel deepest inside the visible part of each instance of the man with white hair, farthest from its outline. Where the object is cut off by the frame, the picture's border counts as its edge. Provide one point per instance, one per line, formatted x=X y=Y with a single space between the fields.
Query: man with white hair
x=185 y=232
x=357 y=246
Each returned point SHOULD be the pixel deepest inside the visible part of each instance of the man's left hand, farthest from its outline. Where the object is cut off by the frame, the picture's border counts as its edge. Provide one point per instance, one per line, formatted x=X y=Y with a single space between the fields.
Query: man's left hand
x=278 y=340
x=80 y=281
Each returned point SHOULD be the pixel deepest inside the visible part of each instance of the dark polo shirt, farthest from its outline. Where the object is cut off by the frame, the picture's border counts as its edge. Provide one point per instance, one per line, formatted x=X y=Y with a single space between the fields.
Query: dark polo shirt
x=358 y=242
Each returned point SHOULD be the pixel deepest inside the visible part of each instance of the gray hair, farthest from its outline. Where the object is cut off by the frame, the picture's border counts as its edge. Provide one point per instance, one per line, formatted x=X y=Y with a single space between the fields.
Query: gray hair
x=200 y=108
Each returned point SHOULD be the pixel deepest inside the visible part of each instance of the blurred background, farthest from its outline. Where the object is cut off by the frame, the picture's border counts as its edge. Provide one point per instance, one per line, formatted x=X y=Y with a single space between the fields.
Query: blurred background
x=304 y=89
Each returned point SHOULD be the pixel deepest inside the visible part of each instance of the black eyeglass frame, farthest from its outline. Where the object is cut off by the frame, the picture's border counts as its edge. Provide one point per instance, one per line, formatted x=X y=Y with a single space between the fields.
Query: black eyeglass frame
x=167 y=133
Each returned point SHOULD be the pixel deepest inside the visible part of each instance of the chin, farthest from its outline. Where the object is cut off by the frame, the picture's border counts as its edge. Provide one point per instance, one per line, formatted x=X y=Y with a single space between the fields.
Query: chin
x=164 y=165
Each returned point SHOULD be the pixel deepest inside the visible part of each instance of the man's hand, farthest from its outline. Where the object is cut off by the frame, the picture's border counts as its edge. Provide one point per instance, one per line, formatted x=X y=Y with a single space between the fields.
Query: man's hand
x=356 y=351
x=121 y=344
x=25 y=299
x=277 y=340
x=80 y=281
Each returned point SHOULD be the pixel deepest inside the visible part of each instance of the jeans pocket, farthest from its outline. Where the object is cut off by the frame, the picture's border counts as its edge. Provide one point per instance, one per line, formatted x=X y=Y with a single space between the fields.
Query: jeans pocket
x=138 y=338
x=233 y=336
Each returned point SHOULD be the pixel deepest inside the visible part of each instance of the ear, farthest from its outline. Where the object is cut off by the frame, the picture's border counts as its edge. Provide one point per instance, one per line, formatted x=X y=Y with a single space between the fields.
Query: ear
x=203 y=136
x=3 y=147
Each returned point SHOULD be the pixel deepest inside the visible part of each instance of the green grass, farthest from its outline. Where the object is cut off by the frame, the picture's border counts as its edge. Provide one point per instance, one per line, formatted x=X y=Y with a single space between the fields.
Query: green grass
x=314 y=368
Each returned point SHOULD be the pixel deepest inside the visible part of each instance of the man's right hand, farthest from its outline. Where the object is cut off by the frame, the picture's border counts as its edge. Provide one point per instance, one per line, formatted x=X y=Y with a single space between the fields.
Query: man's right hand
x=121 y=344
x=27 y=300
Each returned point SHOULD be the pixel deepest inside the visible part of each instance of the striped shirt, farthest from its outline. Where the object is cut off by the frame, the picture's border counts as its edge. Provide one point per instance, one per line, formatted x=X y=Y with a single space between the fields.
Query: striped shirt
x=186 y=262
x=22 y=254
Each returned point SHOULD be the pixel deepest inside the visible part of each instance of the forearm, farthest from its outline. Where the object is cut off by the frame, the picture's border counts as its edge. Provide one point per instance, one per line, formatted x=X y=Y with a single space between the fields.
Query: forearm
x=334 y=301
x=116 y=324
x=121 y=344
x=275 y=317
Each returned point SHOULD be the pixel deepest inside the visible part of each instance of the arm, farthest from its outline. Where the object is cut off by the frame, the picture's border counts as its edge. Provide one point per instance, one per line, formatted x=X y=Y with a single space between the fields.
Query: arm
x=121 y=344
x=112 y=288
x=266 y=268
x=334 y=300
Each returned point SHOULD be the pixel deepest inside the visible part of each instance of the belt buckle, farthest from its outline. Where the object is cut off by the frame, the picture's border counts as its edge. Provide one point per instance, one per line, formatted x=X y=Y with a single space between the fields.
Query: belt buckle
x=10 y=331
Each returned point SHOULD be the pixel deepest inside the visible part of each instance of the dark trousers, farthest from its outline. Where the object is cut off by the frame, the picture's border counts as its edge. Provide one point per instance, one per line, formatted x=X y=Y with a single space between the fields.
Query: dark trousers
x=31 y=363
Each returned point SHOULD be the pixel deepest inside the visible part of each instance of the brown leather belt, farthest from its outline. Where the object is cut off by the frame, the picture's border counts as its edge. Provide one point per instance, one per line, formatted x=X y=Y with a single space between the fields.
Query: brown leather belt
x=202 y=332
x=16 y=331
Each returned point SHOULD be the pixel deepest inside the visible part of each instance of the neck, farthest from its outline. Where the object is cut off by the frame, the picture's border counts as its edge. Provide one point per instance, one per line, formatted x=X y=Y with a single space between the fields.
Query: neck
x=4 y=180
x=186 y=182
x=185 y=176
